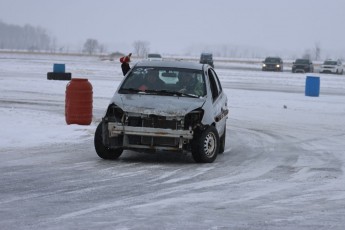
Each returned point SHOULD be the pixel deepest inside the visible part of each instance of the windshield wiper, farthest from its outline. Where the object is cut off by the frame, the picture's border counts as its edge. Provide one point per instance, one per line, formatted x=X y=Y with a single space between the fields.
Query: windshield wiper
x=129 y=90
x=153 y=91
x=180 y=94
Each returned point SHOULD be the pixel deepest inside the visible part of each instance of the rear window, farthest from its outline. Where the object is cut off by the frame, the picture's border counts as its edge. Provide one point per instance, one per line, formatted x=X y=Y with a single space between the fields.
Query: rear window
x=154 y=56
x=206 y=56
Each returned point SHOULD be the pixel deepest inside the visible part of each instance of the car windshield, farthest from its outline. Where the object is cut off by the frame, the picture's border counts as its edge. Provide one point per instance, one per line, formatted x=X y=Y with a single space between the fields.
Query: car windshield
x=154 y=56
x=272 y=60
x=330 y=63
x=302 y=61
x=164 y=81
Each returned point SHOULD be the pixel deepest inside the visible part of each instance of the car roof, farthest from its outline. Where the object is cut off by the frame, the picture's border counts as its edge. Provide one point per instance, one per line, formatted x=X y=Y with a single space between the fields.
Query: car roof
x=171 y=64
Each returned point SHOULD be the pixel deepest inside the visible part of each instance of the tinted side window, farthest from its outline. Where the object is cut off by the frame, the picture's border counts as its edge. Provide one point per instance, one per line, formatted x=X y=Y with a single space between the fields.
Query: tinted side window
x=214 y=83
x=219 y=86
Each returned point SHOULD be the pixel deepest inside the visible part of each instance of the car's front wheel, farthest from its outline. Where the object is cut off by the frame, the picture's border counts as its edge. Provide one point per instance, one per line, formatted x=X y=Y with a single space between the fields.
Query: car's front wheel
x=103 y=151
x=206 y=146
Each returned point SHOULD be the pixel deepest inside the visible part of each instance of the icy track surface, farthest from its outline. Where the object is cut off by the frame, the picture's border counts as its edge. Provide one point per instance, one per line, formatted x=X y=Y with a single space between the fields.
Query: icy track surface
x=283 y=167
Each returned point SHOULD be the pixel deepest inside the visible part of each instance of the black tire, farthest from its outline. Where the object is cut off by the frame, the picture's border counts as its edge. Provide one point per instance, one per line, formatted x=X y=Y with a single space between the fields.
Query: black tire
x=103 y=151
x=206 y=146
x=59 y=76
x=222 y=142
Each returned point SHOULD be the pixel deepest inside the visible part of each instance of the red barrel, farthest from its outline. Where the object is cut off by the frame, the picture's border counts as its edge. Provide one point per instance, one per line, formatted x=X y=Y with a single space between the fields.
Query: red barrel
x=78 y=104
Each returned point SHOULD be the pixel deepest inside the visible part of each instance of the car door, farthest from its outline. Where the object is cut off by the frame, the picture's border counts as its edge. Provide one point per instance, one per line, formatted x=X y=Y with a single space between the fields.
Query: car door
x=219 y=102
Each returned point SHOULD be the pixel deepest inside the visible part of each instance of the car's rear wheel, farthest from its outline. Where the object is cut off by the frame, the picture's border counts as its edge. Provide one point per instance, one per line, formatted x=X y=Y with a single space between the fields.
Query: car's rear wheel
x=103 y=151
x=206 y=146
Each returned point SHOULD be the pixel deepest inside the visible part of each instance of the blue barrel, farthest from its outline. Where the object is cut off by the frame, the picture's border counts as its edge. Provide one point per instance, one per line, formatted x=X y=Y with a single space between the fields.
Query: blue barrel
x=312 y=86
x=59 y=68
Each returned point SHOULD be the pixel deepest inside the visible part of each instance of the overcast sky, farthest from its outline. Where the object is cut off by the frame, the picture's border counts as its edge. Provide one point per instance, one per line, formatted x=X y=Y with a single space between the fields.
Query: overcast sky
x=173 y=26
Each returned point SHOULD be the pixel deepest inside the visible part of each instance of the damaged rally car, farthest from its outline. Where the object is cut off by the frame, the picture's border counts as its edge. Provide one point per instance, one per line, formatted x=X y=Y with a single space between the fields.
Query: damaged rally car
x=166 y=106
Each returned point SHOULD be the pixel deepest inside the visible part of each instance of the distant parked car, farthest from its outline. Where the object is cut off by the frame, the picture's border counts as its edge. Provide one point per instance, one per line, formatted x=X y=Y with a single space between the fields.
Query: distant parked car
x=206 y=58
x=154 y=57
x=302 y=66
x=272 y=64
x=331 y=66
x=166 y=106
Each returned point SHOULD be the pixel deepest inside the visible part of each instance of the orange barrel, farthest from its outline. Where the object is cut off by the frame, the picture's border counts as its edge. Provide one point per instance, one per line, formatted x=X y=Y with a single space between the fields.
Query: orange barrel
x=78 y=107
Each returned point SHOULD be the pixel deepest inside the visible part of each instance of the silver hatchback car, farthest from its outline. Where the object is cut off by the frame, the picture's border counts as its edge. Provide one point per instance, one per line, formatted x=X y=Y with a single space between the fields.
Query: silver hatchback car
x=165 y=106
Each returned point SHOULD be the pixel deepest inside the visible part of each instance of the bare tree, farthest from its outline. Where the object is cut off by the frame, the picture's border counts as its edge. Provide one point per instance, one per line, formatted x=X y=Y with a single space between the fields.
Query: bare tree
x=102 y=48
x=90 y=46
x=53 y=45
x=24 y=37
x=307 y=54
x=141 y=48
x=317 y=51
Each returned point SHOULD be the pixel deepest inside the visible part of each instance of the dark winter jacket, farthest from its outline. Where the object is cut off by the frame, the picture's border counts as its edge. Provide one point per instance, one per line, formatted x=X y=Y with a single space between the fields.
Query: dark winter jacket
x=125 y=68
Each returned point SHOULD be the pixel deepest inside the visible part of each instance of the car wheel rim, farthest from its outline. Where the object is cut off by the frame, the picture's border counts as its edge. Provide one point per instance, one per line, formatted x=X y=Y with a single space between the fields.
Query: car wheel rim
x=210 y=145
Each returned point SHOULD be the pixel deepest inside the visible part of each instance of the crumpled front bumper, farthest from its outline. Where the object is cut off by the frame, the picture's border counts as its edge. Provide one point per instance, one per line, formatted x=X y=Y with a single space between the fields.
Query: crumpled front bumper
x=148 y=137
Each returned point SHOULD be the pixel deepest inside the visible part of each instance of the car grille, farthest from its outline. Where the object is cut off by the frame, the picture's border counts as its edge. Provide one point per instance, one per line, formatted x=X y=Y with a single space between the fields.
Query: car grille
x=301 y=66
x=153 y=122
x=271 y=66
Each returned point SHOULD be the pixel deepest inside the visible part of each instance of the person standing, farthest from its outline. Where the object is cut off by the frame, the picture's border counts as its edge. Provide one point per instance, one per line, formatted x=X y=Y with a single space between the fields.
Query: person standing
x=125 y=63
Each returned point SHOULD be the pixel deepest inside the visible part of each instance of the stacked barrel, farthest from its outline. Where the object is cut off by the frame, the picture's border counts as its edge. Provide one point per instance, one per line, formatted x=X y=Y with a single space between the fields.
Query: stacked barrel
x=78 y=103
x=59 y=73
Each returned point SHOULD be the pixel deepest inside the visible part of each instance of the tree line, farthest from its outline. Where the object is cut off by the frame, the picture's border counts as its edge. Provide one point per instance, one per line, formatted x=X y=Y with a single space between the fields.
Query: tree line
x=30 y=38
x=27 y=37
x=24 y=37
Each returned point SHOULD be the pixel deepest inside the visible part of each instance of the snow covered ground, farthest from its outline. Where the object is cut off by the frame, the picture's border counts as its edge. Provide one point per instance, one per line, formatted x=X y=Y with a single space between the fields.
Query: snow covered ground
x=283 y=167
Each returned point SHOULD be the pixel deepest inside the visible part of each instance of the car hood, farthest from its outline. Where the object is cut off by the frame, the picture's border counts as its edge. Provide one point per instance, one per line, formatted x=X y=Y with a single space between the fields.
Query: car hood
x=156 y=104
x=300 y=65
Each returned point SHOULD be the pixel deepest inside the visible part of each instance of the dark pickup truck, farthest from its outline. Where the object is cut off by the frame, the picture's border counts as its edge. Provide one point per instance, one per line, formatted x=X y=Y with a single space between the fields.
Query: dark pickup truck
x=302 y=66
